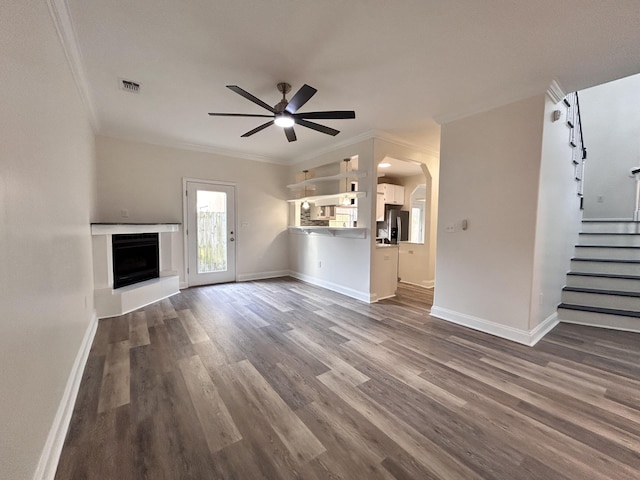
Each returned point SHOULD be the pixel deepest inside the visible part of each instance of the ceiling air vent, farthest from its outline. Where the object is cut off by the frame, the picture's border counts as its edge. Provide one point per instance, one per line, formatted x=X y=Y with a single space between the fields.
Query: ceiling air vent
x=129 y=86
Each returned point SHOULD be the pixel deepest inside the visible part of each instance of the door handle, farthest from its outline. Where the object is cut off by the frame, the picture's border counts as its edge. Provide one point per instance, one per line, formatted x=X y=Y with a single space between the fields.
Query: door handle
x=232 y=239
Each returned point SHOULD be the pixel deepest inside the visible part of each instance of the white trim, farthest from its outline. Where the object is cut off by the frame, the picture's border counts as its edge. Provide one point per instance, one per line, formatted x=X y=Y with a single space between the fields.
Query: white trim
x=597 y=325
x=543 y=328
x=196 y=147
x=66 y=33
x=556 y=92
x=247 y=277
x=524 y=337
x=373 y=134
x=375 y=299
x=486 y=106
x=426 y=284
x=122 y=228
x=185 y=223
x=50 y=456
x=334 y=287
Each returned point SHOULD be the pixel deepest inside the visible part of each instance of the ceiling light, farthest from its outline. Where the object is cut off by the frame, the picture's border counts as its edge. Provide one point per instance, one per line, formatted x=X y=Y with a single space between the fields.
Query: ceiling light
x=285 y=121
x=384 y=165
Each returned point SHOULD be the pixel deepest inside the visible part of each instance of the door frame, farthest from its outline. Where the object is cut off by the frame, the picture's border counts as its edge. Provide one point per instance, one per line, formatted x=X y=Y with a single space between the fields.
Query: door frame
x=185 y=221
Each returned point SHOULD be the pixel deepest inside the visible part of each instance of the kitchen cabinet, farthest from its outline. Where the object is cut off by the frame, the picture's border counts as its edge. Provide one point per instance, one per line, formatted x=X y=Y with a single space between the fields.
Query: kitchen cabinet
x=391 y=194
x=380 y=207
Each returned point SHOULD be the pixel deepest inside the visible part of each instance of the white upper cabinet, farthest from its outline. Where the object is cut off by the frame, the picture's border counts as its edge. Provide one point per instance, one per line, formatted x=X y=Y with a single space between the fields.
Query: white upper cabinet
x=391 y=194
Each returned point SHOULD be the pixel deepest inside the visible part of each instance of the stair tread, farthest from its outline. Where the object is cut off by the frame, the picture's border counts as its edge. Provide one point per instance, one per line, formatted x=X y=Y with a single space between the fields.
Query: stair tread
x=608 y=311
x=605 y=275
x=608 y=246
x=599 y=291
x=608 y=233
x=589 y=220
x=607 y=260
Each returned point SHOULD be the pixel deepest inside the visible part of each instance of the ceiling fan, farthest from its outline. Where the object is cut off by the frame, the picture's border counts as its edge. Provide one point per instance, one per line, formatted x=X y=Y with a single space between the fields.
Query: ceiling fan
x=285 y=113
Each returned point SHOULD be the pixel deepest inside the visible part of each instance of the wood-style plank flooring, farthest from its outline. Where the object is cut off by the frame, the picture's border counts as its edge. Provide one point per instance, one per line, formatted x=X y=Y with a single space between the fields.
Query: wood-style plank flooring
x=278 y=379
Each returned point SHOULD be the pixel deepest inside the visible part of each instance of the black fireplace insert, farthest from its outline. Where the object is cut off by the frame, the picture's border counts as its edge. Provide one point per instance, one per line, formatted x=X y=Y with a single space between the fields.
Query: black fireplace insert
x=135 y=258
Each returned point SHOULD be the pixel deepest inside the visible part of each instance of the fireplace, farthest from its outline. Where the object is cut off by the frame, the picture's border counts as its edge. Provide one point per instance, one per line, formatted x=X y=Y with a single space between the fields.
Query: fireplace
x=135 y=258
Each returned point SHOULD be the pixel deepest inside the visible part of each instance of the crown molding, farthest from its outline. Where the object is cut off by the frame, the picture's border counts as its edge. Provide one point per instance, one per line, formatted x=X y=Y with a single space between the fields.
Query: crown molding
x=371 y=134
x=390 y=138
x=555 y=91
x=195 y=147
x=59 y=11
x=487 y=106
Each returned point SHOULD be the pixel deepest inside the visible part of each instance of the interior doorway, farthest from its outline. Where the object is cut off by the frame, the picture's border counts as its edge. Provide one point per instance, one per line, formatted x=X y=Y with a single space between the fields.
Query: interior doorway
x=210 y=233
x=415 y=247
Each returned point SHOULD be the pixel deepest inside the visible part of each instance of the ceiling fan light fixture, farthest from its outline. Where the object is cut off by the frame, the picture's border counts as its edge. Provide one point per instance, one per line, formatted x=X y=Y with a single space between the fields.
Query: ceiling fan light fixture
x=285 y=121
x=384 y=165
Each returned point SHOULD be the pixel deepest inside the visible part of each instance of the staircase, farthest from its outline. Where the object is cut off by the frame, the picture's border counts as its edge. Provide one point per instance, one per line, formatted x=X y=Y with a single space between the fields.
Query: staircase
x=603 y=286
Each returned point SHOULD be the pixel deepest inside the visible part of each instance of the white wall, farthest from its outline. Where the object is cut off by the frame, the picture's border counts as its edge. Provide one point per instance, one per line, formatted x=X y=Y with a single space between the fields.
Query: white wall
x=489 y=170
x=345 y=262
x=611 y=121
x=46 y=199
x=146 y=180
x=558 y=219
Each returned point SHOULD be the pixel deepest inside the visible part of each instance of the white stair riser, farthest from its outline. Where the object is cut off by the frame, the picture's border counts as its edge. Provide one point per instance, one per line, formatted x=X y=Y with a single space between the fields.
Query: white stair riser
x=605 y=267
x=609 y=253
x=603 y=301
x=611 y=227
x=599 y=319
x=628 y=240
x=604 y=283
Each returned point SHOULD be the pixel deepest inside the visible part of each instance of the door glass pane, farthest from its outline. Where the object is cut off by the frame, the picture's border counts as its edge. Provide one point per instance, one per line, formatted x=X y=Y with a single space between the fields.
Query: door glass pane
x=212 y=231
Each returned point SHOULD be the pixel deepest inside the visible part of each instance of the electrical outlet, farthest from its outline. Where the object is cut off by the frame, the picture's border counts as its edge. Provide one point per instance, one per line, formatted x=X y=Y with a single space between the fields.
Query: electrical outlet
x=124 y=213
x=600 y=199
x=319 y=264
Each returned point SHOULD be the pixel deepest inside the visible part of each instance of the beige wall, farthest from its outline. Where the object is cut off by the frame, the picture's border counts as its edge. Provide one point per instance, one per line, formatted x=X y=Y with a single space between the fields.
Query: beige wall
x=46 y=199
x=490 y=166
x=558 y=219
x=340 y=264
x=146 y=180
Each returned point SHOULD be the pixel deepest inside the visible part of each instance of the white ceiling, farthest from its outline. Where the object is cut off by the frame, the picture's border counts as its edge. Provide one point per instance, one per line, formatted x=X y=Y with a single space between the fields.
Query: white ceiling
x=398 y=64
x=398 y=168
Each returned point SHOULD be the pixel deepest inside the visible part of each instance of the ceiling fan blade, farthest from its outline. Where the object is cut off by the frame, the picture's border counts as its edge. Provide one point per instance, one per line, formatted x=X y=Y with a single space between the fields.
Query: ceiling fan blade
x=301 y=97
x=329 y=115
x=258 y=129
x=317 y=127
x=291 y=135
x=250 y=97
x=239 y=115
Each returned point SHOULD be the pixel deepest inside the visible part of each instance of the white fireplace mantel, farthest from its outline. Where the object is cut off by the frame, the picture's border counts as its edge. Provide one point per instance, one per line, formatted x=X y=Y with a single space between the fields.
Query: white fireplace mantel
x=110 y=302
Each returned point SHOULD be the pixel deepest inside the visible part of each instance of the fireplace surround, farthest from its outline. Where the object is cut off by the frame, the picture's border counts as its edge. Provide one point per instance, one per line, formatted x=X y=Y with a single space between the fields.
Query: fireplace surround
x=148 y=274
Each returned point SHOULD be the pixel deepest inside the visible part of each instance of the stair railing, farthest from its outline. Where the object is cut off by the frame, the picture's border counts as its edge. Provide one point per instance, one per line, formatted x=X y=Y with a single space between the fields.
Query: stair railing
x=635 y=173
x=576 y=140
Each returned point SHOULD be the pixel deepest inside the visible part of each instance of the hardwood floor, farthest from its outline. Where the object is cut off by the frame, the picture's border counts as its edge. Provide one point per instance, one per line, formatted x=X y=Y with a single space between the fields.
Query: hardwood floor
x=282 y=380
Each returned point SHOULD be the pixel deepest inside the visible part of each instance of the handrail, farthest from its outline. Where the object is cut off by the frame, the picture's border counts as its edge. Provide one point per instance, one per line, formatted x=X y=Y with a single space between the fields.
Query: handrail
x=584 y=149
x=635 y=173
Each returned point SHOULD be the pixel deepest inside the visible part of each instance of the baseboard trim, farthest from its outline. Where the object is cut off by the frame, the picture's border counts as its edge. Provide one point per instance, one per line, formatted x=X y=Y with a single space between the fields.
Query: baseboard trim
x=529 y=338
x=428 y=285
x=247 y=277
x=543 y=328
x=334 y=287
x=48 y=463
